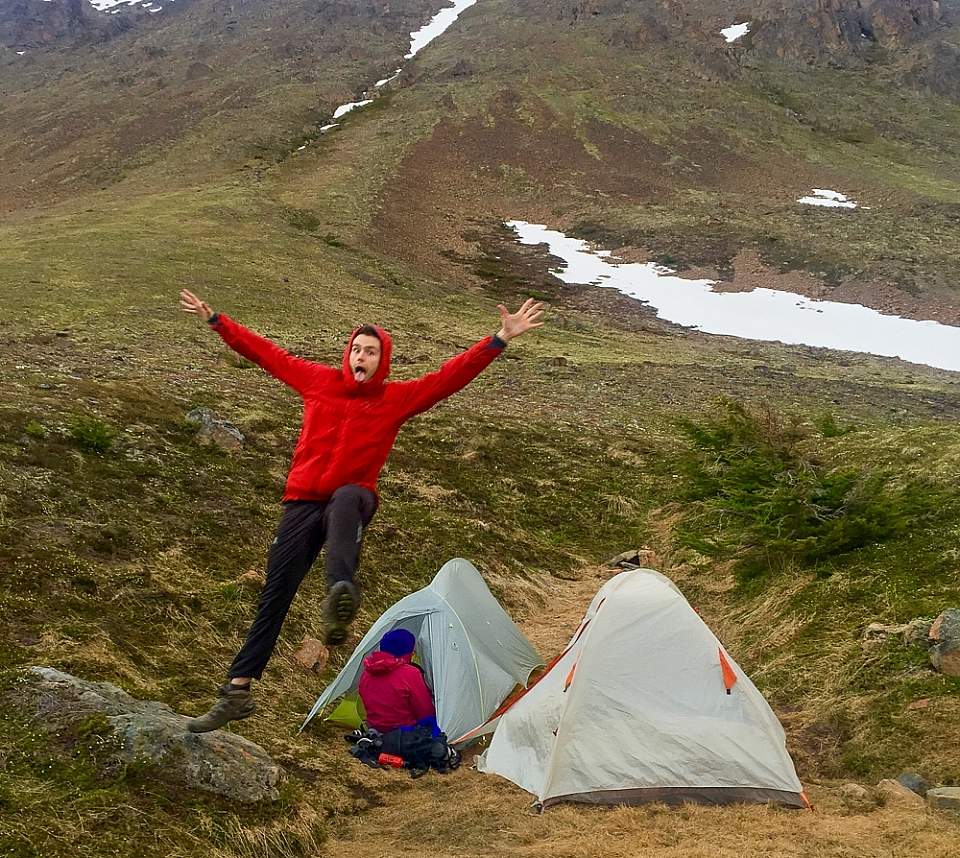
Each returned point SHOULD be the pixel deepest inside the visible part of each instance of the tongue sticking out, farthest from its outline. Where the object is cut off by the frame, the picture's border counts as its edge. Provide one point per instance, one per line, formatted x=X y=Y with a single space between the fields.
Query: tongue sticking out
x=359 y=373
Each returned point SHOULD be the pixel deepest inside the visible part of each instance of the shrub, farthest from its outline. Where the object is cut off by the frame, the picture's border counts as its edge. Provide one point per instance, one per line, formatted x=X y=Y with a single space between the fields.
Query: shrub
x=756 y=494
x=36 y=430
x=92 y=435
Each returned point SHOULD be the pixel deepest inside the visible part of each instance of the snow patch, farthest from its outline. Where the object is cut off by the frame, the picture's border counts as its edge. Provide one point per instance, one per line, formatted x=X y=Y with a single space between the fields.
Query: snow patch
x=735 y=31
x=343 y=109
x=828 y=199
x=437 y=25
x=761 y=314
x=387 y=80
x=108 y=5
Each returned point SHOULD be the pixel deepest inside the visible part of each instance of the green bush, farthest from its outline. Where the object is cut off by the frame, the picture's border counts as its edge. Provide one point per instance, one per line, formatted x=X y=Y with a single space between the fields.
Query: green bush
x=92 y=435
x=756 y=493
x=36 y=430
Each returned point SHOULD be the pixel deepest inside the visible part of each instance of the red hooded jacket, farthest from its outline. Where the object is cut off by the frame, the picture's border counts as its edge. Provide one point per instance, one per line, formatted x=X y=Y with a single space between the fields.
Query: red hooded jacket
x=349 y=427
x=393 y=692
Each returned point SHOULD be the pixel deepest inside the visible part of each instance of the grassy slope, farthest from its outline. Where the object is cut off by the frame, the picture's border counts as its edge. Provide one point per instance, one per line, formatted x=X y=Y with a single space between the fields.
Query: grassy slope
x=125 y=562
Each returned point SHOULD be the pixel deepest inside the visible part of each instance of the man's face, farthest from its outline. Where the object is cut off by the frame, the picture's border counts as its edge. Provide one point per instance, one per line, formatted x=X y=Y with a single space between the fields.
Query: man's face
x=364 y=357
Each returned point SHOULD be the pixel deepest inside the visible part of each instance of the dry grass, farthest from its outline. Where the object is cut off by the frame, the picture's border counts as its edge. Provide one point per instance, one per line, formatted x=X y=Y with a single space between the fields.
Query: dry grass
x=475 y=815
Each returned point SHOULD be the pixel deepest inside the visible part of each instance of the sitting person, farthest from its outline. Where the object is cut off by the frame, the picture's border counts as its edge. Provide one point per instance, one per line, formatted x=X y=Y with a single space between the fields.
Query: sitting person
x=400 y=707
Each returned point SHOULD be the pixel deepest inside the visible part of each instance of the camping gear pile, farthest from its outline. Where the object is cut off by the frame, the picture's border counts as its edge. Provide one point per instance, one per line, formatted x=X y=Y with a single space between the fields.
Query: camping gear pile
x=644 y=704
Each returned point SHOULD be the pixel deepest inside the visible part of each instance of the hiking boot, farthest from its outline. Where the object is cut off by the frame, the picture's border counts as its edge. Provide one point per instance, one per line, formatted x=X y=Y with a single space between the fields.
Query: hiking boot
x=234 y=702
x=339 y=609
x=451 y=762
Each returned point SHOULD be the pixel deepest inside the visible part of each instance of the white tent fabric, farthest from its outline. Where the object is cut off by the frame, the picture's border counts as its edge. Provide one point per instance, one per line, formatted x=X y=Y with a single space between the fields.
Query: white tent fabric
x=471 y=652
x=644 y=705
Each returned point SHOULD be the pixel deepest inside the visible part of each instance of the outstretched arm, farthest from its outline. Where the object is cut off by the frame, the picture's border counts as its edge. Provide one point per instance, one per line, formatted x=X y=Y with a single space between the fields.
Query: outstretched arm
x=458 y=372
x=293 y=371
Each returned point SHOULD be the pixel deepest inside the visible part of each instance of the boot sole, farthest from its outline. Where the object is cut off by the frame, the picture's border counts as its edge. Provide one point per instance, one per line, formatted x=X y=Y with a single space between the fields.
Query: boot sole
x=342 y=609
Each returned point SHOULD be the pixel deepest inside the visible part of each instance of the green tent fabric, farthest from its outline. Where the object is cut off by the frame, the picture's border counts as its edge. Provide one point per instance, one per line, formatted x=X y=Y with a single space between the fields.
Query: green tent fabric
x=471 y=652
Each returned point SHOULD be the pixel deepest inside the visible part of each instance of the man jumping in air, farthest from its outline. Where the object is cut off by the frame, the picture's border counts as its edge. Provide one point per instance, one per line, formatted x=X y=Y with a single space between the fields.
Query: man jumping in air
x=351 y=417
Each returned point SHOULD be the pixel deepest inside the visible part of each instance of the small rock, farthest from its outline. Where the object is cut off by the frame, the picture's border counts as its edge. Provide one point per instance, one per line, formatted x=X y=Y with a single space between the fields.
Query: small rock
x=251 y=578
x=918 y=631
x=628 y=557
x=215 y=430
x=895 y=793
x=879 y=631
x=312 y=655
x=945 y=638
x=643 y=557
x=944 y=798
x=854 y=792
x=919 y=705
x=913 y=782
x=557 y=361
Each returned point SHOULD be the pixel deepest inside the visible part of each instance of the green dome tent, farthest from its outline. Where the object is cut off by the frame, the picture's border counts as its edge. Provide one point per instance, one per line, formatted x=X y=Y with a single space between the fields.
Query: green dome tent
x=471 y=652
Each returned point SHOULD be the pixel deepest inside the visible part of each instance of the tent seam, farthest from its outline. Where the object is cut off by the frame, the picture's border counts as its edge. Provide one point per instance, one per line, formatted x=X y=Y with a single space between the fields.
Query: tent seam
x=566 y=706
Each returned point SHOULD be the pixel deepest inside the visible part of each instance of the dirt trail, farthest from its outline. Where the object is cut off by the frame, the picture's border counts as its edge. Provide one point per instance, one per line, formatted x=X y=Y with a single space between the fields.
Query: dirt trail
x=468 y=814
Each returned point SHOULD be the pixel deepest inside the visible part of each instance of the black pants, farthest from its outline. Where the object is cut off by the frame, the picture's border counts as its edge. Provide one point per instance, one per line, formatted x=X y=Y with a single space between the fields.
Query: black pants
x=304 y=528
x=418 y=746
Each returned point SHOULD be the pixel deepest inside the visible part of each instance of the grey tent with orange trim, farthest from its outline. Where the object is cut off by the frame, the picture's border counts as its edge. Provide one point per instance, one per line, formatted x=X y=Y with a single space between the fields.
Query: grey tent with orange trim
x=645 y=704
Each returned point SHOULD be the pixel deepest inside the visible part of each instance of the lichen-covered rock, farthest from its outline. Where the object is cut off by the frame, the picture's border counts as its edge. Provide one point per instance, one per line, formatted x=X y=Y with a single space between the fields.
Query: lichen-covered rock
x=944 y=798
x=945 y=642
x=151 y=733
x=913 y=782
x=215 y=430
x=896 y=794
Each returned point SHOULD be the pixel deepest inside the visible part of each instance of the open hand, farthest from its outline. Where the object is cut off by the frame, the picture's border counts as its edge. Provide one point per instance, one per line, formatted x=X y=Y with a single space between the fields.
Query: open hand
x=190 y=303
x=514 y=324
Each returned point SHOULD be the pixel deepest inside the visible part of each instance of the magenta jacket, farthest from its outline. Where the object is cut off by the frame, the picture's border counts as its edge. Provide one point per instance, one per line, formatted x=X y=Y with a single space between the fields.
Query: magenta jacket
x=393 y=692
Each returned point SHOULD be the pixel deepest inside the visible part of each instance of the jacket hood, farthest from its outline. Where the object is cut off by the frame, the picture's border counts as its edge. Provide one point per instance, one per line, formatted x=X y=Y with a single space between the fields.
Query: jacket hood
x=383 y=662
x=376 y=381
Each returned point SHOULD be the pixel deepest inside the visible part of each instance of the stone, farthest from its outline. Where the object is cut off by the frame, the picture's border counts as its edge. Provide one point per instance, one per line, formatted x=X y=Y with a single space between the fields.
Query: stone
x=945 y=642
x=215 y=430
x=944 y=798
x=145 y=732
x=879 y=631
x=624 y=557
x=642 y=557
x=896 y=794
x=252 y=578
x=919 y=705
x=312 y=655
x=854 y=792
x=913 y=782
x=918 y=631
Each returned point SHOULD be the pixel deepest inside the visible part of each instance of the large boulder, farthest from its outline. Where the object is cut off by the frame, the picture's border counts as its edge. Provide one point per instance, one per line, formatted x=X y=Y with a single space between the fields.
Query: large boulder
x=149 y=733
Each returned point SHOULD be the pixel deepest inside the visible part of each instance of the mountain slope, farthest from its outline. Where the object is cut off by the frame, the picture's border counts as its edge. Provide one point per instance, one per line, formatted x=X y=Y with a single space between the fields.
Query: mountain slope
x=185 y=150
